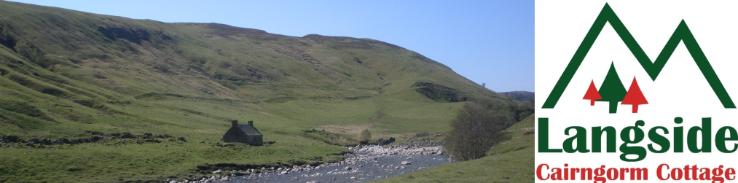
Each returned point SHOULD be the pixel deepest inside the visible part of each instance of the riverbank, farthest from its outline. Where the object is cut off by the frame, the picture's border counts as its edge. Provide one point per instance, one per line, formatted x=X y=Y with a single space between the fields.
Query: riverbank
x=509 y=161
x=361 y=164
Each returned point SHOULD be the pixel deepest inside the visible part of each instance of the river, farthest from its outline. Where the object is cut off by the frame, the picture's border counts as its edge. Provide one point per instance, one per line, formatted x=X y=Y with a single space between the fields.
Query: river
x=363 y=164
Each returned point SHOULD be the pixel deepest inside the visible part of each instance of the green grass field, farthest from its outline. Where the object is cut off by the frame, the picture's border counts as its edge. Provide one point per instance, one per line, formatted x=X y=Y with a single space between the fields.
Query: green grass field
x=280 y=122
x=509 y=161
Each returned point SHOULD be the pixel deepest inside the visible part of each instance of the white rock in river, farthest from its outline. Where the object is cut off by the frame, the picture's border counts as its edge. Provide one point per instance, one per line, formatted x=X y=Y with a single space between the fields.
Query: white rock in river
x=405 y=163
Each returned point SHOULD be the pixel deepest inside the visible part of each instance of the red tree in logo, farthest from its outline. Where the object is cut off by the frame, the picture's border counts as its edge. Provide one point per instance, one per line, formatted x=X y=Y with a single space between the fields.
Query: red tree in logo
x=592 y=94
x=634 y=96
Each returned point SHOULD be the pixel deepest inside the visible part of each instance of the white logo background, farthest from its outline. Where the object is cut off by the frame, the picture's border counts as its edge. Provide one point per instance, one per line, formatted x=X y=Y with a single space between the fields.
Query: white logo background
x=679 y=90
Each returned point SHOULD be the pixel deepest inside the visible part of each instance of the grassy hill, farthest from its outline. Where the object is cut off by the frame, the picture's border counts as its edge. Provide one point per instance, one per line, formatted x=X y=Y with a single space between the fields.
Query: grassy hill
x=510 y=161
x=73 y=75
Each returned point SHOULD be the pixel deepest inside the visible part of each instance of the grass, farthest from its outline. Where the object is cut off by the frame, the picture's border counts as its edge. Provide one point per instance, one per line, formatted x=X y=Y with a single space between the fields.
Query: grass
x=107 y=163
x=509 y=161
x=201 y=126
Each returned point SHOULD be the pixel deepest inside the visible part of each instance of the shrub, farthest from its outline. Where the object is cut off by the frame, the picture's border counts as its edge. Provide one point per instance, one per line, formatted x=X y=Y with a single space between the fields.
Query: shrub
x=162 y=68
x=476 y=128
x=365 y=136
x=439 y=92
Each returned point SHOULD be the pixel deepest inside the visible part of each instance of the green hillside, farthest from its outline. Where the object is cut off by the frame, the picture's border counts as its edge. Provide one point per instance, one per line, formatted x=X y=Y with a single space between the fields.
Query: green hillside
x=73 y=75
x=509 y=161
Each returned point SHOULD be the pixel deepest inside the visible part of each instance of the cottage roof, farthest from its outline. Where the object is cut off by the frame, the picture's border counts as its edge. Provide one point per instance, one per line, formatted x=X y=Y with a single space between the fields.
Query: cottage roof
x=249 y=129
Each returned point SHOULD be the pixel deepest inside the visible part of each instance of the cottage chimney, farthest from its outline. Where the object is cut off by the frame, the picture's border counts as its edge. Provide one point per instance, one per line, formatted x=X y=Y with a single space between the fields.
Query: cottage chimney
x=234 y=123
x=251 y=123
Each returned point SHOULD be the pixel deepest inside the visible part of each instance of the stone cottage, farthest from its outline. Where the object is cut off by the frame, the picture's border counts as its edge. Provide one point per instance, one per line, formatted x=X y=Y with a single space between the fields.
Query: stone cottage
x=243 y=133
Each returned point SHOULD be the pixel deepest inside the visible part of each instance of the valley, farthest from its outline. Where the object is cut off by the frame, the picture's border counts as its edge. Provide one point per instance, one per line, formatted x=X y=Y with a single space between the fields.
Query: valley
x=73 y=75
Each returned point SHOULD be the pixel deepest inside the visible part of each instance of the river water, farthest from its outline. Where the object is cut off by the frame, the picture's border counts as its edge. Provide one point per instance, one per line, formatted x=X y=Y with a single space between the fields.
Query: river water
x=363 y=164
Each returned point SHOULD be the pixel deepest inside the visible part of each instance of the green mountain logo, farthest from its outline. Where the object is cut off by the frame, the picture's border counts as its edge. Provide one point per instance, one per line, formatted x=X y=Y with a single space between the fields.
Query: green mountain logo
x=612 y=90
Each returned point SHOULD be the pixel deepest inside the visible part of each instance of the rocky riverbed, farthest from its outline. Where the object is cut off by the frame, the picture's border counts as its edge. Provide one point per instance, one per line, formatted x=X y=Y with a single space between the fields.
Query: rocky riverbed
x=362 y=164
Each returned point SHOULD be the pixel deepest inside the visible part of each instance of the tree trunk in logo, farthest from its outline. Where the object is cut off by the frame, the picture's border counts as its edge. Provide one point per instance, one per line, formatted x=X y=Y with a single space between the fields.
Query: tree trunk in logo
x=612 y=89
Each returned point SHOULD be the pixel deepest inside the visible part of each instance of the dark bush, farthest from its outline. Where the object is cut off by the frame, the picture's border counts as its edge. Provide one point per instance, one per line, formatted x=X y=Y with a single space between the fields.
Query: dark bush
x=127 y=135
x=439 y=92
x=383 y=141
x=477 y=127
x=365 y=137
x=99 y=75
x=162 y=68
x=74 y=168
x=94 y=132
x=7 y=40
x=129 y=34
x=53 y=91
x=10 y=139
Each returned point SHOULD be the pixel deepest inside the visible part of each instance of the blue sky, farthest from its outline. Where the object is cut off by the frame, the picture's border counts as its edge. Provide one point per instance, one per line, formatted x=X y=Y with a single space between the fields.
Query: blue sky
x=487 y=41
